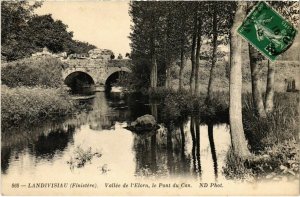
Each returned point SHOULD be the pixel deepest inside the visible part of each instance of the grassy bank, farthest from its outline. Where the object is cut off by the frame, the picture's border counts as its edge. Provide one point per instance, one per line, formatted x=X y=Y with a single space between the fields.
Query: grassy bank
x=274 y=140
x=33 y=104
x=32 y=91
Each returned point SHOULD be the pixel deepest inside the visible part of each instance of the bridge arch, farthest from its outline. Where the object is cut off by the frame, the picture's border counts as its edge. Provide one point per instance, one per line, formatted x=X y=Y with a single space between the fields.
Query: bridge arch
x=79 y=80
x=114 y=75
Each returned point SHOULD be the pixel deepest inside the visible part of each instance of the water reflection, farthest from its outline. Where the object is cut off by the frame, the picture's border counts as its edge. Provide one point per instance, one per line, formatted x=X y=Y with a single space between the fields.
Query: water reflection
x=179 y=148
x=53 y=143
x=44 y=142
x=213 y=148
x=195 y=134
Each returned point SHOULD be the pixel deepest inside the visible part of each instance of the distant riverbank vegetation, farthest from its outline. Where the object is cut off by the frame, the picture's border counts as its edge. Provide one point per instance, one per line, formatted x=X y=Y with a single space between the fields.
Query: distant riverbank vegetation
x=23 y=32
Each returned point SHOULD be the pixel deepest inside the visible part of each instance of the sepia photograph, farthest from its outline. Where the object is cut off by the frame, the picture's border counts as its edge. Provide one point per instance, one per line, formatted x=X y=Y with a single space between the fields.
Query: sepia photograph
x=127 y=98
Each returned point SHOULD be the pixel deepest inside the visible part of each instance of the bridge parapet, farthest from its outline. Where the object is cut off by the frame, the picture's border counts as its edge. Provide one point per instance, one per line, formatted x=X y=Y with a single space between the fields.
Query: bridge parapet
x=86 y=62
x=120 y=63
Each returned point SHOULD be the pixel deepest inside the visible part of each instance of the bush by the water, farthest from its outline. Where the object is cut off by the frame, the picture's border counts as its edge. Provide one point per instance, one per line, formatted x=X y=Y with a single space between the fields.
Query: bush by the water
x=42 y=71
x=273 y=141
x=281 y=124
x=178 y=104
x=33 y=104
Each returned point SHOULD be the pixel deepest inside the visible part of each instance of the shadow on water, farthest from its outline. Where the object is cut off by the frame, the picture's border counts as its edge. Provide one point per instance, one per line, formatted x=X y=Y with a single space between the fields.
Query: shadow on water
x=195 y=133
x=213 y=148
x=49 y=139
x=176 y=150
x=42 y=141
x=53 y=143
x=181 y=147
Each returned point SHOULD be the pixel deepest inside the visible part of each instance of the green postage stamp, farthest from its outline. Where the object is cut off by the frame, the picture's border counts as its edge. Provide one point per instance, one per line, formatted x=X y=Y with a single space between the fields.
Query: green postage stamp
x=268 y=31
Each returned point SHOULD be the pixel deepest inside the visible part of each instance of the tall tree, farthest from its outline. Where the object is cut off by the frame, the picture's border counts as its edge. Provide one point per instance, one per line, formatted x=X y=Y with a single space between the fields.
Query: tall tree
x=269 y=102
x=171 y=43
x=221 y=15
x=255 y=67
x=55 y=31
x=15 y=42
x=146 y=39
x=182 y=12
x=256 y=62
x=291 y=14
x=198 y=47
x=140 y=46
x=193 y=50
x=24 y=33
x=239 y=142
x=214 y=49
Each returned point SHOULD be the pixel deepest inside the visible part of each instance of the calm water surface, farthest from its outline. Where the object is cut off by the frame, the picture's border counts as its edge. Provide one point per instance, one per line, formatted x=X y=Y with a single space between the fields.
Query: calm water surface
x=178 y=149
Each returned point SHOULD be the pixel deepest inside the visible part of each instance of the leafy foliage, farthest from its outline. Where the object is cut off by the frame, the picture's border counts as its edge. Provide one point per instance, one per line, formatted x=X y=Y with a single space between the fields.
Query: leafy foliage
x=44 y=31
x=280 y=125
x=33 y=104
x=24 y=33
x=33 y=72
x=160 y=31
x=166 y=30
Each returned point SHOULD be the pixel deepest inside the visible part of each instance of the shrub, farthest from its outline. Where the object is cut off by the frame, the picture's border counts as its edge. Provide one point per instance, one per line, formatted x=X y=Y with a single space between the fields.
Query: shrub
x=33 y=104
x=235 y=167
x=281 y=124
x=277 y=162
x=43 y=71
x=281 y=159
x=178 y=104
x=273 y=140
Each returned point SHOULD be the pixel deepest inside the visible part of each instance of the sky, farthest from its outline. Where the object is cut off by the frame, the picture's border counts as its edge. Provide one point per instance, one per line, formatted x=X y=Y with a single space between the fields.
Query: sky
x=105 y=24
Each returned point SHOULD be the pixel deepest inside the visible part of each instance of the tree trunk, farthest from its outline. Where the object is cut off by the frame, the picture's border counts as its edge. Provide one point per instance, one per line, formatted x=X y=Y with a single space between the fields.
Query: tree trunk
x=239 y=142
x=255 y=63
x=168 y=75
x=269 y=103
x=182 y=142
x=214 y=59
x=153 y=75
x=182 y=64
x=197 y=90
x=193 y=58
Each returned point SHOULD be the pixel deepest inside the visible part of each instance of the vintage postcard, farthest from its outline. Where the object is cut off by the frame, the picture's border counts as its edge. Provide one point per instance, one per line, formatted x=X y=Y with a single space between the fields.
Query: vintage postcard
x=150 y=98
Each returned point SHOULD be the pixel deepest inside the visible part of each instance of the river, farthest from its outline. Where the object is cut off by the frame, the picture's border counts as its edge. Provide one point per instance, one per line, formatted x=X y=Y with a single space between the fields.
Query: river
x=48 y=151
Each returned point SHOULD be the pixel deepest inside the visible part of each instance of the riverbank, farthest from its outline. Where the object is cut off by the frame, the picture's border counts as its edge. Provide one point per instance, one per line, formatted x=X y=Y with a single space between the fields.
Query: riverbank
x=272 y=141
x=33 y=104
x=32 y=92
x=177 y=104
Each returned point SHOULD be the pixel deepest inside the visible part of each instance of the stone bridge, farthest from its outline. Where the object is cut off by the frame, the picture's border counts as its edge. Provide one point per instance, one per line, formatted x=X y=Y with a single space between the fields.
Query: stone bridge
x=95 y=73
